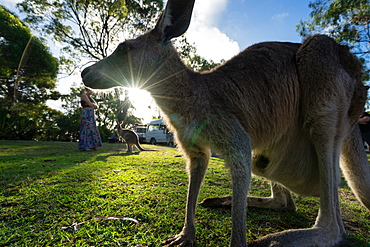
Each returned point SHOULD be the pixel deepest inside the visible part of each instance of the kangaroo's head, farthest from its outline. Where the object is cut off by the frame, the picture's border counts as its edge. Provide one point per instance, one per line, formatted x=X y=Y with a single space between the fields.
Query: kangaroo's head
x=140 y=59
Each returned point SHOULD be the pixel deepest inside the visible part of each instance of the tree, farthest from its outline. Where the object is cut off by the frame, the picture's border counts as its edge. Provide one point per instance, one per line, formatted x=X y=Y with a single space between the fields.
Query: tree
x=348 y=21
x=92 y=28
x=27 y=77
x=188 y=54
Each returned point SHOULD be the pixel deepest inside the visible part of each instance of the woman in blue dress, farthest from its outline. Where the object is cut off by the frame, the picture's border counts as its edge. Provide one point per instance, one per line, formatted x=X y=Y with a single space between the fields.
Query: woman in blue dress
x=89 y=134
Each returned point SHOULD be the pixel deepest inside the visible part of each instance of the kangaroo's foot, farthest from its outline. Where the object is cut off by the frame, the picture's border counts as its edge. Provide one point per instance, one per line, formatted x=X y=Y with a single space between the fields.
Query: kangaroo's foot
x=281 y=199
x=315 y=236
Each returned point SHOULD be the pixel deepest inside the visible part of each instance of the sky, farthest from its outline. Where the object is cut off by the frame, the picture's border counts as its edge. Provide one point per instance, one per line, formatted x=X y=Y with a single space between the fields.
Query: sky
x=220 y=29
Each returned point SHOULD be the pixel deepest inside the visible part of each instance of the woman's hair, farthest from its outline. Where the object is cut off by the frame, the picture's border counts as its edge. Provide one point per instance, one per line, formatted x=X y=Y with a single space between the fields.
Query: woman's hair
x=87 y=90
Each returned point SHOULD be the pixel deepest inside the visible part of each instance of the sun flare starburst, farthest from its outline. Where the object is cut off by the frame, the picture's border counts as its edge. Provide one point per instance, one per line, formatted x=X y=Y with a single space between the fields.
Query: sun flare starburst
x=142 y=101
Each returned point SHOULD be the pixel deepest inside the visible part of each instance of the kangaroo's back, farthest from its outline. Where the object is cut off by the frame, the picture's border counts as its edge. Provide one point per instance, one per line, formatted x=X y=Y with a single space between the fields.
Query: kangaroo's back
x=268 y=70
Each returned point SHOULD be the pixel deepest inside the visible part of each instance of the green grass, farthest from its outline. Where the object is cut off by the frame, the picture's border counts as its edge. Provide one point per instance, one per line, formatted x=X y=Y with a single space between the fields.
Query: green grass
x=52 y=194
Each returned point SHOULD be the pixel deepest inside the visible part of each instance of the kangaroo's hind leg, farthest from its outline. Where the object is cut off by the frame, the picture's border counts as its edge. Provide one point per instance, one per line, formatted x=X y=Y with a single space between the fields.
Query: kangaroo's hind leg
x=129 y=147
x=328 y=229
x=326 y=108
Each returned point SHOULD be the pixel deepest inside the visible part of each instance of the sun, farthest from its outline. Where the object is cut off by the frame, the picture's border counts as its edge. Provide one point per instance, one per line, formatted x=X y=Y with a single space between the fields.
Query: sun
x=136 y=94
x=143 y=103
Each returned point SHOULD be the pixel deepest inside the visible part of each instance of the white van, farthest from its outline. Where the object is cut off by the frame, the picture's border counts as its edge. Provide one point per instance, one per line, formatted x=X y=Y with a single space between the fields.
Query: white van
x=140 y=130
x=156 y=132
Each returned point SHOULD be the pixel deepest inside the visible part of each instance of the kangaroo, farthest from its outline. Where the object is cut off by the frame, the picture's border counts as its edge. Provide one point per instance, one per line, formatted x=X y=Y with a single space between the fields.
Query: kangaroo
x=284 y=111
x=130 y=137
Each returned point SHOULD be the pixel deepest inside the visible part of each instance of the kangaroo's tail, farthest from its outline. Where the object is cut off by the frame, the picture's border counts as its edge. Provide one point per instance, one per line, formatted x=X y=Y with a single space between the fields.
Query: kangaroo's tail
x=140 y=147
x=354 y=164
x=137 y=144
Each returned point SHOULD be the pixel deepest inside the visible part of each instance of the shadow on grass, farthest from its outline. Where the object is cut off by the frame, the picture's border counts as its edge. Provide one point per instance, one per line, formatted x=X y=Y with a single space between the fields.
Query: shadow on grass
x=51 y=188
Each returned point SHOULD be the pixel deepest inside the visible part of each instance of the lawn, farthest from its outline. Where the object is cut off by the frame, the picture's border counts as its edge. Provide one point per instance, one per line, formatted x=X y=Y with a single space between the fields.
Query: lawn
x=52 y=194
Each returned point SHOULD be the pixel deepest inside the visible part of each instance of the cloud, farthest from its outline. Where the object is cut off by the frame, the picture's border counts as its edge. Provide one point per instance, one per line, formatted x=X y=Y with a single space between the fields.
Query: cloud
x=11 y=5
x=210 y=42
x=279 y=17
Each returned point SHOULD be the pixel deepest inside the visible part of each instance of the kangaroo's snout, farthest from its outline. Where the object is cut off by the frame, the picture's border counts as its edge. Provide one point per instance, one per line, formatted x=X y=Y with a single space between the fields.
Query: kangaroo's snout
x=86 y=79
x=85 y=72
x=96 y=78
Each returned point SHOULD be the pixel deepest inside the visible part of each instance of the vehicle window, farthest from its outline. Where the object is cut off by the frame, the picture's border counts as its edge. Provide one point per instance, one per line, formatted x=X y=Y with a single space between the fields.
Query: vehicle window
x=141 y=130
x=153 y=127
x=162 y=127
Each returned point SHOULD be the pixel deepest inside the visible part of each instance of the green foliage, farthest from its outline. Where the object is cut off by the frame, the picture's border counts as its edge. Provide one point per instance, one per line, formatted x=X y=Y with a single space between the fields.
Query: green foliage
x=27 y=80
x=348 y=21
x=52 y=194
x=188 y=54
x=14 y=38
x=93 y=28
x=68 y=126
x=90 y=30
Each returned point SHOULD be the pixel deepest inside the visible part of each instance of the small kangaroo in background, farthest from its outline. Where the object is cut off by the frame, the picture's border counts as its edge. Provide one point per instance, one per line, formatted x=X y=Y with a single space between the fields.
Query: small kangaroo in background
x=130 y=138
x=284 y=111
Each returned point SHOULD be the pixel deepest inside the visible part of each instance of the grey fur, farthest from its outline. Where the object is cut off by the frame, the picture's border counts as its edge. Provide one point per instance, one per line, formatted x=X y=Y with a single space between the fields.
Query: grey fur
x=286 y=111
x=130 y=138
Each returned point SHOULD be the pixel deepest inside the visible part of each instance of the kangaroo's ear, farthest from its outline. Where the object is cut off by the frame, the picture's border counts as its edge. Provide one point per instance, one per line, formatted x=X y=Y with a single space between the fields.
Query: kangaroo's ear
x=175 y=19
